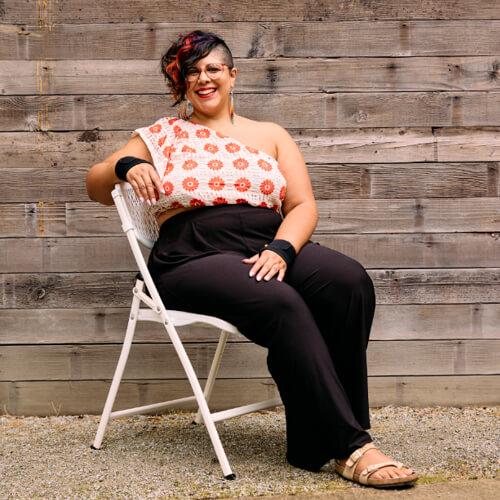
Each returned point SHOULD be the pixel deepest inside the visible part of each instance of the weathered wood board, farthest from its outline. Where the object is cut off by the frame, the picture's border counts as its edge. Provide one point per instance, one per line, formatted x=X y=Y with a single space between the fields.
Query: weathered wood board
x=395 y=106
x=319 y=38
x=317 y=110
x=373 y=250
x=384 y=180
x=259 y=75
x=53 y=11
x=241 y=360
x=433 y=215
x=112 y=289
x=107 y=325
x=88 y=397
x=318 y=146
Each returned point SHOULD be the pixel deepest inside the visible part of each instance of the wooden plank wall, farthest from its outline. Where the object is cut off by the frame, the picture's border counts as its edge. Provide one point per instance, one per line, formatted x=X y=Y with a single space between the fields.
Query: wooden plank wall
x=395 y=106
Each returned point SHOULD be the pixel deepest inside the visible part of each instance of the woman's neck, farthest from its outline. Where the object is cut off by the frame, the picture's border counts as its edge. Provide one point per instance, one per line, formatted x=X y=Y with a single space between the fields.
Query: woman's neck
x=216 y=123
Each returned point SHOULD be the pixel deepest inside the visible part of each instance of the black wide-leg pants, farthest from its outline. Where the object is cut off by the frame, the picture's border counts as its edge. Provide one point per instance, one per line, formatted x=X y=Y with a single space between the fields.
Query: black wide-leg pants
x=315 y=323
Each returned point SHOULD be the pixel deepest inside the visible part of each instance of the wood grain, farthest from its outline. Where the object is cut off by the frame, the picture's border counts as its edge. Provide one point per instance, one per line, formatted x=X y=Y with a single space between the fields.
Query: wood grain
x=241 y=360
x=384 y=109
x=433 y=215
x=107 y=325
x=382 y=251
x=377 y=180
x=87 y=397
x=398 y=286
x=52 y=11
x=270 y=74
x=394 y=105
x=281 y=38
x=318 y=146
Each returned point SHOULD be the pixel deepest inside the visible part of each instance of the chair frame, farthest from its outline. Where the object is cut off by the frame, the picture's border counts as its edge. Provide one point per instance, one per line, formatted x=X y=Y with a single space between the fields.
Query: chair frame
x=156 y=311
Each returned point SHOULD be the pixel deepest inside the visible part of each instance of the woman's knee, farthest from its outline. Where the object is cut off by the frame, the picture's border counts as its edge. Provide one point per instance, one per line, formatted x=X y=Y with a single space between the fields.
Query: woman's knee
x=359 y=278
x=325 y=277
x=282 y=300
x=347 y=273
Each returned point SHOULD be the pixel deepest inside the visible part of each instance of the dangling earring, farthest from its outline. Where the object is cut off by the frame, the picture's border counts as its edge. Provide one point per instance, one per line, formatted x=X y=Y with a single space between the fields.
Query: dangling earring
x=185 y=109
x=182 y=110
x=231 y=107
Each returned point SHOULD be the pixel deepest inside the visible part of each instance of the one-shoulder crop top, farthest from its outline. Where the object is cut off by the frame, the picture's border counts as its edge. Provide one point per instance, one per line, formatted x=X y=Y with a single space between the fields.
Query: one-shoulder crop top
x=201 y=167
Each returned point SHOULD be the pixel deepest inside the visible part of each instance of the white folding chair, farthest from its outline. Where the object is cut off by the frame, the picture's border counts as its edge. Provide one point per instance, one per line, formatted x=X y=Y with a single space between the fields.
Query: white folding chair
x=140 y=226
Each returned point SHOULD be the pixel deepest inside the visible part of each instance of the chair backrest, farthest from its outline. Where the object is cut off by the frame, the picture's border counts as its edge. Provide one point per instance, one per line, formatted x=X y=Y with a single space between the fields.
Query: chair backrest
x=144 y=223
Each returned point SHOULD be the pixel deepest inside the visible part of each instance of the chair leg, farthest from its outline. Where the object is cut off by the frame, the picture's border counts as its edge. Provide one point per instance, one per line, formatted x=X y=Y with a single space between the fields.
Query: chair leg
x=214 y=369
x=202 y=403
x=120 y=367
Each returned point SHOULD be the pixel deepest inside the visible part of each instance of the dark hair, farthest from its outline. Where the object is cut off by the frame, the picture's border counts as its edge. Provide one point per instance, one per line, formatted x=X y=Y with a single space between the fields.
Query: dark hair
x=183 y=53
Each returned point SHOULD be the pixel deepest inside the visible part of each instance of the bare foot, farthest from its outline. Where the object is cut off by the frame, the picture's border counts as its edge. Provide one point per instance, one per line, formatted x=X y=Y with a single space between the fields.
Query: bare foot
x=374 y=456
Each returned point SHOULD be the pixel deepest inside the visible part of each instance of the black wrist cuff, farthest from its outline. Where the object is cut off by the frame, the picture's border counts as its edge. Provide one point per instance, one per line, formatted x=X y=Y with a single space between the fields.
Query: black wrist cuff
x=123 y=165
x=283 y=248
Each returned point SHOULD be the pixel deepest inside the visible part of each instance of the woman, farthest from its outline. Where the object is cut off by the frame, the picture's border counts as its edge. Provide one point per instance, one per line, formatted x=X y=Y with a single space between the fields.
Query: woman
x=217 y=183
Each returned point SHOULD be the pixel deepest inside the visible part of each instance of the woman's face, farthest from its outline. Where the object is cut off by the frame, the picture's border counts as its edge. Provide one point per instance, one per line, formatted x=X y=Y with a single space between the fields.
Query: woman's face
x=208 y=88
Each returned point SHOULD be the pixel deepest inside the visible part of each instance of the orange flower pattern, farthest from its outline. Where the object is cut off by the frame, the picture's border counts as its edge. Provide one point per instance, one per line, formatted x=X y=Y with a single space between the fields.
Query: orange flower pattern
x=189 y=164
x=265 y=165
x=190 y=183
x=242 y=184
x=196 y=203
x=168 y=169
x=180 y=133
x=203 y=133
x=219 y=201
x=232 y=147
x=240 y=164
x=216 y=183
x=202 y=166
x=167 y=151
x=211 y=148
x=267 y=186
x=155 y=129
x=215 y=164
x=168 y=187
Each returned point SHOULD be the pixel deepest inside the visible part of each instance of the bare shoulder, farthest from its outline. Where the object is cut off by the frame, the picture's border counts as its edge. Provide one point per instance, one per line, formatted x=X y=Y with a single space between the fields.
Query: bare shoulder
x=283 y=141
x=279 y=134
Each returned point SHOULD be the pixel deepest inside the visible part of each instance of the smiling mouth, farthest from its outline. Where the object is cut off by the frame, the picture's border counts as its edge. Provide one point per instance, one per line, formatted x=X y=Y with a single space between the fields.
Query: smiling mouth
x=205 y=93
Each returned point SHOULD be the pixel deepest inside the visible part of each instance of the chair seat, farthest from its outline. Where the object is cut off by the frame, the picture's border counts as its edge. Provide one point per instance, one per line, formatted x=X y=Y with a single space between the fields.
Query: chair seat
x=182 y=318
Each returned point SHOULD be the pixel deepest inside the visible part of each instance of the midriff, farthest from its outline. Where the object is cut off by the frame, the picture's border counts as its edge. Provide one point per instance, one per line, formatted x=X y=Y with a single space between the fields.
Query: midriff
x=163 y=216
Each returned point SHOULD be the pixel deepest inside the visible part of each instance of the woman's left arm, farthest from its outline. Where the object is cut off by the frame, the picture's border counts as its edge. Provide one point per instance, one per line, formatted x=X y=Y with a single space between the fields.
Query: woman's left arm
x=299 y=207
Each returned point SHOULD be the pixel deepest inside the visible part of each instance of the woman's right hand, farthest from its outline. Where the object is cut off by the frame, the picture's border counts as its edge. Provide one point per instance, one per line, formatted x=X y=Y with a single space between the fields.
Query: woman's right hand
x=101 y=177
x=146 y=182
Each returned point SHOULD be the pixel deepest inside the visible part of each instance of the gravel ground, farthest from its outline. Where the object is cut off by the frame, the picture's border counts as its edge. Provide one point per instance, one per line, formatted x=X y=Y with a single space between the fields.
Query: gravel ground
x=168 y=457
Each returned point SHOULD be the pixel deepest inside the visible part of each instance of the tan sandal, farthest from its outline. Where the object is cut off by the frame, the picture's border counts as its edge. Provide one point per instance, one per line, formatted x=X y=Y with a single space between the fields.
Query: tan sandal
x=348 y=471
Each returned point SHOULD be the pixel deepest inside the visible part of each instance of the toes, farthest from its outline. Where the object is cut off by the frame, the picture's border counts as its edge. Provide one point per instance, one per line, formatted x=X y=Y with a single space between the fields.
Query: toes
x=383 y=474
x=391 y=473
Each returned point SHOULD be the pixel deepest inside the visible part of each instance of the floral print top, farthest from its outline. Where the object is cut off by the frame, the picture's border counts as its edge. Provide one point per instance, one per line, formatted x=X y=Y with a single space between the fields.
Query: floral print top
x=201 y=167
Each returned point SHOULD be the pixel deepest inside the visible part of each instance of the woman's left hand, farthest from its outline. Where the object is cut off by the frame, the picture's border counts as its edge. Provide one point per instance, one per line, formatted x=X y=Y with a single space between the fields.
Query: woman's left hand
x=266 y=266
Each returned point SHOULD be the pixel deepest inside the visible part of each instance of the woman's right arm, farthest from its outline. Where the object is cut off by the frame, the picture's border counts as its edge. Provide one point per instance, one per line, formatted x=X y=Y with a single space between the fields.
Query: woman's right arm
x=101 y=178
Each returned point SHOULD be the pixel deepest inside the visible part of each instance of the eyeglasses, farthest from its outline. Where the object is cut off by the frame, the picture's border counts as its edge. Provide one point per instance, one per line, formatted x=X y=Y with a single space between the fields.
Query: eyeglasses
x=213 y=70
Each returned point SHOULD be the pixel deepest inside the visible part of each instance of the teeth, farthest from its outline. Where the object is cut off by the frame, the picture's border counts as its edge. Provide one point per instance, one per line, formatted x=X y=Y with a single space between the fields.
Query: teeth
x=205 y=92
